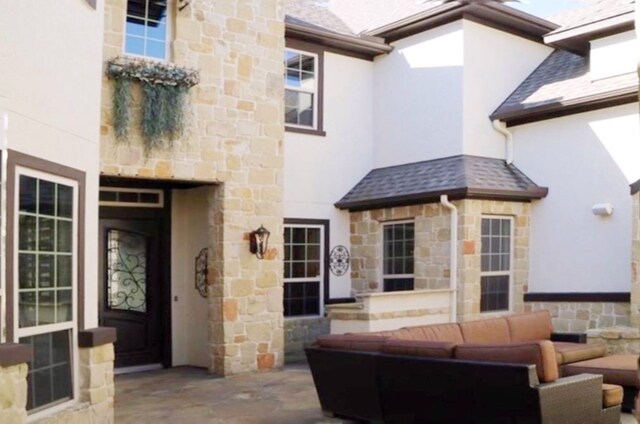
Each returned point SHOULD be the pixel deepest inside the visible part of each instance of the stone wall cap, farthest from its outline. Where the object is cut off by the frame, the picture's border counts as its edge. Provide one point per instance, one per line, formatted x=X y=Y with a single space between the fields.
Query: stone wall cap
x=14 y=354
x=95 y=337
x=615 y=333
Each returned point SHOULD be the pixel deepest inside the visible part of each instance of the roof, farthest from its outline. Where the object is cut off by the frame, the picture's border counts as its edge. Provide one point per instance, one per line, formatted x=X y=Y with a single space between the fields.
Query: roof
x=593 y=11
x=459 y=177
x=562 y=85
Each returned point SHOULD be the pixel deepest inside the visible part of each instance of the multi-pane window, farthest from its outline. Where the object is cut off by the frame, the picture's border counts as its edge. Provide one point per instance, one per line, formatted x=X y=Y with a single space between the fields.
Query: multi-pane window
x=45 y=283
x=495 y=268
x=301 y=86
x=146 y=28
x=302 y=270
x=398 y=246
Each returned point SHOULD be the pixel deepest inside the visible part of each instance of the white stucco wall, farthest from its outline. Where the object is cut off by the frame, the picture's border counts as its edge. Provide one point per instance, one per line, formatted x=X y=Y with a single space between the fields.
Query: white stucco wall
x=584 y=159
x=51 y=55
x=418 y=97
x=613 y=55
x=189 y=310
x=495 y=64
x=318 y=170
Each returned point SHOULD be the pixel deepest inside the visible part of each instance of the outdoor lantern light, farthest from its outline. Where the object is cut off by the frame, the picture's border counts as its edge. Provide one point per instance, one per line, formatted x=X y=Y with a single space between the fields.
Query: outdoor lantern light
x=258 y=241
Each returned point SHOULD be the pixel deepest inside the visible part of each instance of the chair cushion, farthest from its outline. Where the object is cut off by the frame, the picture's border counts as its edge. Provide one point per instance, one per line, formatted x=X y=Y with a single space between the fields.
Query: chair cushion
x=612 y=395
x=419 y=348
x=567 y=352
x=356 y=342
x=540 y=353
x=615 y=369
x=435 y=333
x=530 y=326
x=494 y=330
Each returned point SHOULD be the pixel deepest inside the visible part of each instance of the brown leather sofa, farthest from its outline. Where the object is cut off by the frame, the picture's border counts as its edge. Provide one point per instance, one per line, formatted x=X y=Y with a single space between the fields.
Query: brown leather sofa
x=495 y=370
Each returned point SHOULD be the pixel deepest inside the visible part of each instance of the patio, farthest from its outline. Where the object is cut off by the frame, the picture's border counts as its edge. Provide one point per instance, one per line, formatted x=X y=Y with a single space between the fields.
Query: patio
x=190 y=395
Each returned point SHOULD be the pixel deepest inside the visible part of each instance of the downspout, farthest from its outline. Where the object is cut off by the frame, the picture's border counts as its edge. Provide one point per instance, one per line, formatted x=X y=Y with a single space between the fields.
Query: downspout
x=453 y=258
x=501 y=127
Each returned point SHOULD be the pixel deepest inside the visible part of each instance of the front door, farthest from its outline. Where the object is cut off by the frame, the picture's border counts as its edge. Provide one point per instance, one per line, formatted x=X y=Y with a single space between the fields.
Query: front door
x=131 y=287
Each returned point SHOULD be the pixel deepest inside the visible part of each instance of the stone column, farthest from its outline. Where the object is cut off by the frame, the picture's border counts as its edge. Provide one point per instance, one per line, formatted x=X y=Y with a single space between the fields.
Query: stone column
x=13 y=382
x=635 y=261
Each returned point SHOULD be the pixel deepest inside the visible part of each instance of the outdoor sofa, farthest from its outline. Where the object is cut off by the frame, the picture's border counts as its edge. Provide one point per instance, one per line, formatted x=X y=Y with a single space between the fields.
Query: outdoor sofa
x=501 y=370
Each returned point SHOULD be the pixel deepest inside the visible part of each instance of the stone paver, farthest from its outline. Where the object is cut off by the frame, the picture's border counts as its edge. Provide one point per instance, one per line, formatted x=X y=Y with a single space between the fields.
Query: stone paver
x=190 y=395
x=193 y=396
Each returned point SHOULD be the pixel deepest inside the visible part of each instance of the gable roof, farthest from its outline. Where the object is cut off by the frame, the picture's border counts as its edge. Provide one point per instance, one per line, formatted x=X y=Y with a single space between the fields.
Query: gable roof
x=459 y=177
x=562 y=85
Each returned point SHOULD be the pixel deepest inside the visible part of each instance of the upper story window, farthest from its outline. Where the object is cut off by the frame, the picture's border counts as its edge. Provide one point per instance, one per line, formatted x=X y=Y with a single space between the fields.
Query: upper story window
x=146 y=30
x=495 y=268
x=398 y=245
x=303 y=97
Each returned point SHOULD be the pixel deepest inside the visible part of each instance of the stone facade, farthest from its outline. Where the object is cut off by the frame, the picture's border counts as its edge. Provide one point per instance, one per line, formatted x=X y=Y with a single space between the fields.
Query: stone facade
x=635 y=260
x=582 y=316
x=13 y=394
x=300 y=333
x=235 y=141
x=432 y=247
x=618 y=339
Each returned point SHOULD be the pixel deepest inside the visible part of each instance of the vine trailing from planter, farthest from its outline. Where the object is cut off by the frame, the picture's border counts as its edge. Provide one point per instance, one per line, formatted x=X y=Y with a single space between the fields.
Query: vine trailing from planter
x=164 y=90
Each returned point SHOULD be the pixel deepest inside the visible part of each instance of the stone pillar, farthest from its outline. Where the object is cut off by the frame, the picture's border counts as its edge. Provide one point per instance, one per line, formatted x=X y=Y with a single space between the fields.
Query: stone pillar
x=13 y=382
x=635 y=261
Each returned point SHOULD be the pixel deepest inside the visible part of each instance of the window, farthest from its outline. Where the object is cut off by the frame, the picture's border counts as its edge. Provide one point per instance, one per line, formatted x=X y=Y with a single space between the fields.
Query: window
x=303 y=270
x=301 y=89
x=46 y=283
x=146 y=29
x=398 y=244
x=495 y=276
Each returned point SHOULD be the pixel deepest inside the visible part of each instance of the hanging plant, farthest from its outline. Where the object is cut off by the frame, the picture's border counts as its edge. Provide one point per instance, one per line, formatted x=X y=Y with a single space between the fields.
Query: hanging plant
x=164 y=91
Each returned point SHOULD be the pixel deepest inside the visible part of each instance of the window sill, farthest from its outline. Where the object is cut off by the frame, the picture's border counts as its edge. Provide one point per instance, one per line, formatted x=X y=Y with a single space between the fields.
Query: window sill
x=309 y=131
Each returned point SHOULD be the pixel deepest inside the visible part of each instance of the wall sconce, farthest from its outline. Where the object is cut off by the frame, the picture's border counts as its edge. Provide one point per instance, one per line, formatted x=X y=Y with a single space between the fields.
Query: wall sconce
x=258 y=241
x=602 y=209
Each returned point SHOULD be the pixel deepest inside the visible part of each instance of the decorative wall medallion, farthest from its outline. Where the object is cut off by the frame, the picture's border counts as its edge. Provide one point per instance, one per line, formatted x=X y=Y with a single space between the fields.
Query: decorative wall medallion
x=201 y=272
x=339 y=260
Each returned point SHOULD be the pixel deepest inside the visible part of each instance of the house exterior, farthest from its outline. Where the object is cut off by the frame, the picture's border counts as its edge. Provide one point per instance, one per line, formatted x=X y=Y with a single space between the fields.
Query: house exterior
x=417 y=163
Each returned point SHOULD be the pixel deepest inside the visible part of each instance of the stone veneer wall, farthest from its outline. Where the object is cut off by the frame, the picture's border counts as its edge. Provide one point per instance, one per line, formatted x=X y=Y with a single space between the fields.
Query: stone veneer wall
x=13 y=394
x=635 y=261
x=432 y=246
x=235 y=141
x=96 y=391
x=582 y=316
x=300 y=333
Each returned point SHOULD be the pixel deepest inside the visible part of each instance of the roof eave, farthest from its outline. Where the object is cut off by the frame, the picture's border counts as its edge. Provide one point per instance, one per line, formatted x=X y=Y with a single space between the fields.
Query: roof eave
x=496 y=16
x=570 y=107
x=533 y=193
x=635 y=187
x=368 y=47
x=576 y=39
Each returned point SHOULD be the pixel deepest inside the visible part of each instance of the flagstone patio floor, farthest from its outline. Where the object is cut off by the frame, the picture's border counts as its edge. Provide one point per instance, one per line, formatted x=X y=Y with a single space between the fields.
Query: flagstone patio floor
x=192 y=396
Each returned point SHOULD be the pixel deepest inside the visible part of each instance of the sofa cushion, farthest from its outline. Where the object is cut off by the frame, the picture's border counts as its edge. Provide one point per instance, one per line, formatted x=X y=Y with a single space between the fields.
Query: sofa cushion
x=392 y=334
x=567 y=353
x=494 y=330
x=435 y=332
x=615 y=369
x=530 y=326
x=357 y=342
x=612 y=395
x=540 y=353
x=419 y=348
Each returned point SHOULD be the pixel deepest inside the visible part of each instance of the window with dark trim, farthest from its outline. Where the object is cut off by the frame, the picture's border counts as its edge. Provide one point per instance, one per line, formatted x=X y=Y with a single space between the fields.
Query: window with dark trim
x=303 y=270
x=495 y=275
x=398 y=247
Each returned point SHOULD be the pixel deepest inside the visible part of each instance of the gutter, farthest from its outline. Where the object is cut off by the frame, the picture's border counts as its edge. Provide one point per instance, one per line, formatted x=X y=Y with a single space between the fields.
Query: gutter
x=501 y=127
x=453 y=258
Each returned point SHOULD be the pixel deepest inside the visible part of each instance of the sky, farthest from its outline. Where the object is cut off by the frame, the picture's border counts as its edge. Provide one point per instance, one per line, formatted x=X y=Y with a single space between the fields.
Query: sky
x=546 y=8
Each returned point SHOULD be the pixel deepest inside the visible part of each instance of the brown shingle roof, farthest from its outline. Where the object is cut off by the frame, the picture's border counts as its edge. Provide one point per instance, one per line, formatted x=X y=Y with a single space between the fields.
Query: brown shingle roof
x=457 y=176
x=562 y=80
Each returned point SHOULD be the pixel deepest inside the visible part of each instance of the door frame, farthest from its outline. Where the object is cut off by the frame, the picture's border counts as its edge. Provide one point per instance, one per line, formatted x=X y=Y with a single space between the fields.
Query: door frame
x=164 y=269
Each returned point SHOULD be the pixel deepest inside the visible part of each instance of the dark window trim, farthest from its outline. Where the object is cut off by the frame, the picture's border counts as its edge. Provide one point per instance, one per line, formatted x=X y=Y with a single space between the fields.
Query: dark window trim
x=315 y=49
x=325 y=266
x=618 y=297
x=15 y=159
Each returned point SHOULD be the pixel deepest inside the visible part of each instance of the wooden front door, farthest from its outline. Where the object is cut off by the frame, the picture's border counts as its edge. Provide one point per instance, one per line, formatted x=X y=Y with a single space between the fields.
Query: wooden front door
x=131 y=287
